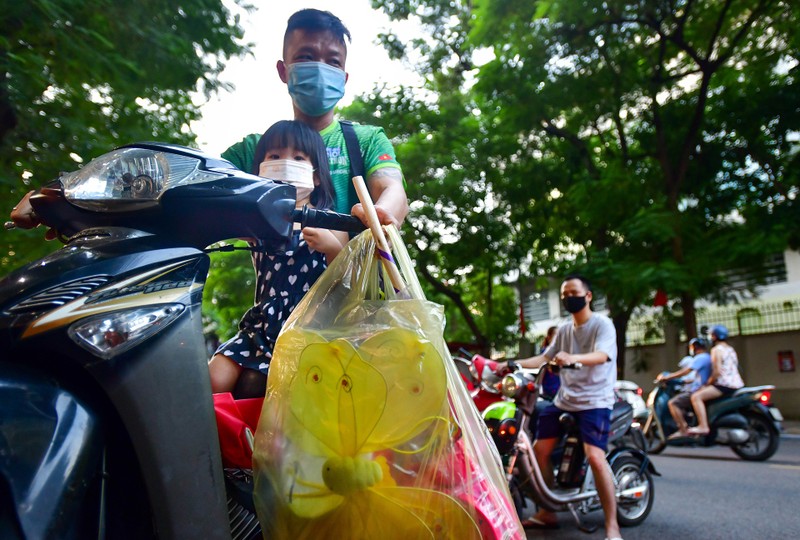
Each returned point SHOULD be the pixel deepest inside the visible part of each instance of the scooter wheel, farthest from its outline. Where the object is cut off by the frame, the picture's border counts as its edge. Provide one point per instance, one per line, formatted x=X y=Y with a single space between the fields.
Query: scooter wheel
x=635 y=490
x=763 y=441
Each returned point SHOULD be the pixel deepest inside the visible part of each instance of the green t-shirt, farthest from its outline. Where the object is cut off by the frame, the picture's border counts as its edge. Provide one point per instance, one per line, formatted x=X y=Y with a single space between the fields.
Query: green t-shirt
x=376 y=150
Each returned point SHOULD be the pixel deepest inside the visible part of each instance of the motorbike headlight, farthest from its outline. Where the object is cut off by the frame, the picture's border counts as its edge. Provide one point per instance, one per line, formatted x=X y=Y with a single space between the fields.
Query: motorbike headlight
x=111 y=334
x=509 y=386
x=129 y=178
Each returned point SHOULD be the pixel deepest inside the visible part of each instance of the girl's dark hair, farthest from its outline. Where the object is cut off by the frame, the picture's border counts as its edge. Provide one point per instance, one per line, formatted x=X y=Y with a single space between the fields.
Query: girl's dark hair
x=302 y=137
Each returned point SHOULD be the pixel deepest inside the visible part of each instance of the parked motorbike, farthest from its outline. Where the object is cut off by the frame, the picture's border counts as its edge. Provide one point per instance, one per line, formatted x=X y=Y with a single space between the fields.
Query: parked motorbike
x=746 y=421
x=479 y=375
x=107 y=424
x=632 y=393
x=574 y=490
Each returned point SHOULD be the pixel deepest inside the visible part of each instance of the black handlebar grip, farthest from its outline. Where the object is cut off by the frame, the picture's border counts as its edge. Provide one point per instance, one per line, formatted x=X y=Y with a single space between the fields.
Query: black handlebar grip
x=327 y=219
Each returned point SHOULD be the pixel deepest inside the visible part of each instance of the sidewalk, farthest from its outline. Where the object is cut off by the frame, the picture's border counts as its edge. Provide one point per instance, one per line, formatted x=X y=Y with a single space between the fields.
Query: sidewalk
x=791 y=427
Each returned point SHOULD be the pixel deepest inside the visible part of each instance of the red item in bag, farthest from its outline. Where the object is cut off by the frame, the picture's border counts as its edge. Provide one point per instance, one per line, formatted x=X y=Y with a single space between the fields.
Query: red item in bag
x=236 y=424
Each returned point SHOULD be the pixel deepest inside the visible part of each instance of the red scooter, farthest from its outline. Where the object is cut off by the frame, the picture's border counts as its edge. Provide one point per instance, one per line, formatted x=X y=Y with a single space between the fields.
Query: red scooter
x=478 y=373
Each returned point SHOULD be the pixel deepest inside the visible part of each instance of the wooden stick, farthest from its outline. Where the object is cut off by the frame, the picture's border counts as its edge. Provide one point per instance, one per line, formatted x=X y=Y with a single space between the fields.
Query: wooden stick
x=377 y=233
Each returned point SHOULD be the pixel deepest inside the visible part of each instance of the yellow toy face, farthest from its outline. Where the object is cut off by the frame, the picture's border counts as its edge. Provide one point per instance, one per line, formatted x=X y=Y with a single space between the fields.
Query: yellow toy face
x=353 y=402
x=351 y=408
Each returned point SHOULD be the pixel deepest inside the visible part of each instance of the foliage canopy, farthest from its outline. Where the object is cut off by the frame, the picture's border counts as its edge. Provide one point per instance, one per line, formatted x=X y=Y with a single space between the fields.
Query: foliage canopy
x=79 y=77
x=652 y=145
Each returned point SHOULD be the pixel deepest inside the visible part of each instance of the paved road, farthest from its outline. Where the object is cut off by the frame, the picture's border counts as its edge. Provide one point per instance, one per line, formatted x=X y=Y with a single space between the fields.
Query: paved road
x=711 y=494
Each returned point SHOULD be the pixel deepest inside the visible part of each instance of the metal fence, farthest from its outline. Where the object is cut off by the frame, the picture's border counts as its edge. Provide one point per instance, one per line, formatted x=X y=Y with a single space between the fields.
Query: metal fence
x=753 y=318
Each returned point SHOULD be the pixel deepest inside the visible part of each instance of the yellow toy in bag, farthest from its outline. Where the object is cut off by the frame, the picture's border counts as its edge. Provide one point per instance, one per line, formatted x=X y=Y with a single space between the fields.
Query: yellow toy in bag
x=367 y=430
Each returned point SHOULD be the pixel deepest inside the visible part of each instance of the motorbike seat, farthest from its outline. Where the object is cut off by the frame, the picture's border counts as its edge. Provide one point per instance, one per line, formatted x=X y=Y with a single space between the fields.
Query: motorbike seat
x=621 y=408
x=754 y=389
x=567 y=420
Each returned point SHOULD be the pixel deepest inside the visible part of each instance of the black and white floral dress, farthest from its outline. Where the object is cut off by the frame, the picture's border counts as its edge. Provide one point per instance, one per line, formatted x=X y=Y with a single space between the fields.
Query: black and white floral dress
x=281 y=282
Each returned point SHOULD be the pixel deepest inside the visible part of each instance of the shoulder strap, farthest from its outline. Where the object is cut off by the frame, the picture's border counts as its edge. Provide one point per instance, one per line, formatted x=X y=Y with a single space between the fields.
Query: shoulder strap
x=353 y=149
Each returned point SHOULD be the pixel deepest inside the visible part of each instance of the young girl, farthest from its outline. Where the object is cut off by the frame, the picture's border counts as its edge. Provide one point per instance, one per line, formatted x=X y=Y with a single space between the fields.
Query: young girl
x=293 y=152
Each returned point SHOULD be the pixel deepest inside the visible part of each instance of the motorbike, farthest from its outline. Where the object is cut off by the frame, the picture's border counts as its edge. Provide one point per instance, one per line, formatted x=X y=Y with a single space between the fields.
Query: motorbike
x=746 y=421
x=632 y=393
x=107 y=424
x=480 y=377
x=574 y=490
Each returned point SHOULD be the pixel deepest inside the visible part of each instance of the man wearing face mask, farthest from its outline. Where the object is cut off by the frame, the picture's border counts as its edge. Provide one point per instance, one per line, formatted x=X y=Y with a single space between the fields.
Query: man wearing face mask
x=587 y=393
x=313 y=68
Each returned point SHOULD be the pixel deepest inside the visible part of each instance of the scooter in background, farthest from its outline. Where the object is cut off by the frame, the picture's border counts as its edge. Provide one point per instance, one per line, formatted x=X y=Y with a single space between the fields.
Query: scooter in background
x=746 y=421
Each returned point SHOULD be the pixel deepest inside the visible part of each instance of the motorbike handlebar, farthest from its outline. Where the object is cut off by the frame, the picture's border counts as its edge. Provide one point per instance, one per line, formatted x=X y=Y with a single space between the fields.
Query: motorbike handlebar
x=554 y=366
x=327 y=219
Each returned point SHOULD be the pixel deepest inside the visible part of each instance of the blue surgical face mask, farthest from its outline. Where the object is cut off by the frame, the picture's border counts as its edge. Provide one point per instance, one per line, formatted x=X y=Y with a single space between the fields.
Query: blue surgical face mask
x=315 y=87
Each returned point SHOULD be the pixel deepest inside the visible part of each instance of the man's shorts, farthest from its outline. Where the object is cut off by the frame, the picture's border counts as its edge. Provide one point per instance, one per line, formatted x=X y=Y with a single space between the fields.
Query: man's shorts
x=593 y=425
x=683 y=401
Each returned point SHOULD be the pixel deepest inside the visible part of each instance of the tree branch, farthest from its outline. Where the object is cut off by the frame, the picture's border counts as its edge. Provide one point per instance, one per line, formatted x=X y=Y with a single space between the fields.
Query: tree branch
x=754 y=15
x=575 y=141
x=717 y=29
x=458 y=301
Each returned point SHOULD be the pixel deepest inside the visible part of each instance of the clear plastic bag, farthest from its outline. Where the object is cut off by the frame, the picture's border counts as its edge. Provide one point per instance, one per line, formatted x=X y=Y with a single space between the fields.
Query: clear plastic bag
x=367 y=429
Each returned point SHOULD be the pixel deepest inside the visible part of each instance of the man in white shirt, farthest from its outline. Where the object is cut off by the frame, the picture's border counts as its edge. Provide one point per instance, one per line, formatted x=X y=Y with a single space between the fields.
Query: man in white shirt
x=587 y=393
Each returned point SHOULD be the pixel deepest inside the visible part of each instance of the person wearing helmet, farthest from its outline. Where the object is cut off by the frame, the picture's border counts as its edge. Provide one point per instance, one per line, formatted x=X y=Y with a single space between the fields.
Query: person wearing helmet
x=700 y=364
x=724 y=380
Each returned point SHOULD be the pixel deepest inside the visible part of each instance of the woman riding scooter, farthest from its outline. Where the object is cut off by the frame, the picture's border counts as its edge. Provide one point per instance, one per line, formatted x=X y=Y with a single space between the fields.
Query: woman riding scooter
x=724 y=381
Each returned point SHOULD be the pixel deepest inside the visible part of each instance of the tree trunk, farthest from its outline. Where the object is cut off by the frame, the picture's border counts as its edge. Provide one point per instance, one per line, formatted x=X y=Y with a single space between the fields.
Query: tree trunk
x=689 y=315
x=620 y=320
x=8 y=117
x=489 y=306
x=480 y=339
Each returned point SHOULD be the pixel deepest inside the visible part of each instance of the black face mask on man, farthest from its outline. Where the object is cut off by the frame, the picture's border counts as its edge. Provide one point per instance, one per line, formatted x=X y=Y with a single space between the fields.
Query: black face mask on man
x=574 y=304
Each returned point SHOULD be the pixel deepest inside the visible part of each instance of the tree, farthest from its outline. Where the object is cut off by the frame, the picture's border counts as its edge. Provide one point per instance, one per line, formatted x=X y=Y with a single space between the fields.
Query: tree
x=466 y=248
x=650 y=144
x=228 y=292
x=78 y=78
x=669 y=186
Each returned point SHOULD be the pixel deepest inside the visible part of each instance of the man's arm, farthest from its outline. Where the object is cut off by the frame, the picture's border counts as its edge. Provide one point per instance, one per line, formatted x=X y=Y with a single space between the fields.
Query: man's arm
x=386 y=189
x=241 y=153
x=674 y=375
x=530 y=363
x=587 y=359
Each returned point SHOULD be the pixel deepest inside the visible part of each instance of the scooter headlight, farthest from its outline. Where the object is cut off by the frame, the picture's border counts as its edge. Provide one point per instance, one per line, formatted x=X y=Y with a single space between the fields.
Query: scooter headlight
x=111 y=334
x=131 y=178
x=509 y=386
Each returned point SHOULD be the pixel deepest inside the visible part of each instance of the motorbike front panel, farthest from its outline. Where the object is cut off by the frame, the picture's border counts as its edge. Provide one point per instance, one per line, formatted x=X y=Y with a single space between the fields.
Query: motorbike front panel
x=503 y=420
x=50 y=450
x=53 y=292
x=159 y=389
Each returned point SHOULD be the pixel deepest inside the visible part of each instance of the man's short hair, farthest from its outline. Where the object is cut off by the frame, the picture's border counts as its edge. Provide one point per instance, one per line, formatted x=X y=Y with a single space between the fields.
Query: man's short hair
x=315 y=20
x=586 y=283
